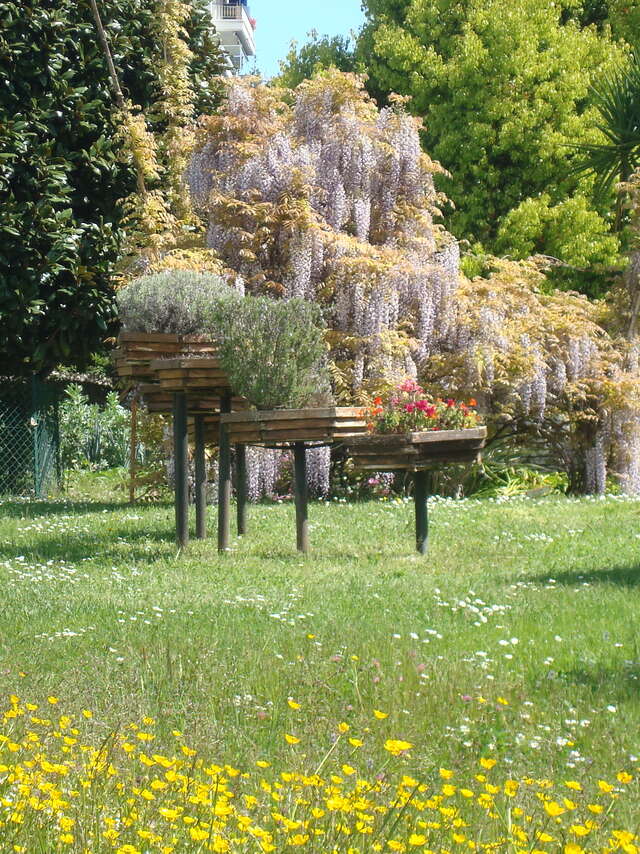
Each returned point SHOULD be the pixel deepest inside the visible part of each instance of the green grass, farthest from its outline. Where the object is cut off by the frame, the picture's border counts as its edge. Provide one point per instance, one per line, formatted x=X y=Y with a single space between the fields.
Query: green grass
x=516 y=636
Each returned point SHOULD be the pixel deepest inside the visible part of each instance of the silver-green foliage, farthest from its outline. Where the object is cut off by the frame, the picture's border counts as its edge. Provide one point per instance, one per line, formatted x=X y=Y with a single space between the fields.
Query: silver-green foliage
x=273 y=351
x=178 y=301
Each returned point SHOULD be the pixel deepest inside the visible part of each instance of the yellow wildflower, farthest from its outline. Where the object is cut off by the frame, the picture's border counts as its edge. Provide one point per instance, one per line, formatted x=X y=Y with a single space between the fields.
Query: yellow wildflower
x=396 y=746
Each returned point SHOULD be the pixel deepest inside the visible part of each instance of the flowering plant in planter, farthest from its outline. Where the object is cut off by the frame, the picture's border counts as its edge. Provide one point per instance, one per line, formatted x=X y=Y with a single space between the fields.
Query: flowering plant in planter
x=407 y=409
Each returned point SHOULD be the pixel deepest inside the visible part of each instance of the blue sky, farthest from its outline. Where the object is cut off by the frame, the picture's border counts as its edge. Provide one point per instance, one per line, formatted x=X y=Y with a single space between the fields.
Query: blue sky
x=279 y=21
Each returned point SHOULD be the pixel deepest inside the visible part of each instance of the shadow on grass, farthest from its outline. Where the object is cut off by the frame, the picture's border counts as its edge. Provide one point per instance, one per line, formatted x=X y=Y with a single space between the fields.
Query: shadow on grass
x=35 y=509
x=624 y=576
x=622 y=683
x=76 y=547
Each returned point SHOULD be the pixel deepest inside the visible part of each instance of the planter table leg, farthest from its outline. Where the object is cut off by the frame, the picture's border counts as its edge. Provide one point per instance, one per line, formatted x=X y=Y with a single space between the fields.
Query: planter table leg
x=241 y=488
x=224 y=478
x=420 y=482
x=302 y=523
x=181 y=454
x=201 y=479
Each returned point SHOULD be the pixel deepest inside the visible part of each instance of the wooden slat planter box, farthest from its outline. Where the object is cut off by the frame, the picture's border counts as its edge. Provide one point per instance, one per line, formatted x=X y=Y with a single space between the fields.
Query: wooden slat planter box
x=211 y=429
x=136 y=351
x=200 y=375
x=281 y=426
x=158 y=400
x=416 y=451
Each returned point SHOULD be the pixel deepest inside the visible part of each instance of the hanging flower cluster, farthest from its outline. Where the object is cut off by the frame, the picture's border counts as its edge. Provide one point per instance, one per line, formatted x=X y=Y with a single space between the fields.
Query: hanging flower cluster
x=406 y=409
x=331 y=200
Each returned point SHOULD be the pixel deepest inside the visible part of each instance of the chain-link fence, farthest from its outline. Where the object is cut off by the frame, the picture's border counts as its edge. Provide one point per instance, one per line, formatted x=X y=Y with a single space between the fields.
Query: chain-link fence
x=29 y=437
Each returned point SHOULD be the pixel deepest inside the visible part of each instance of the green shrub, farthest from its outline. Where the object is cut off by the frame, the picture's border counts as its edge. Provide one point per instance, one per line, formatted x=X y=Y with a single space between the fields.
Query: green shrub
x=177 y=301
x=273 y=351
x=91 y=435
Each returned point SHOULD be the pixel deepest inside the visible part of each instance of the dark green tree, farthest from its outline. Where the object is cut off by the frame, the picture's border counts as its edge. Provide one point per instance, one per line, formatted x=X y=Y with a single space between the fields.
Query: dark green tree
x=61 y=176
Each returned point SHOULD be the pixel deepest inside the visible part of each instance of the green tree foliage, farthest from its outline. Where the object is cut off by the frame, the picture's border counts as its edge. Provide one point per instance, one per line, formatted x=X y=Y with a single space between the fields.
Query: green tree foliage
x=320 y=52
x=61 y=176
x=570 y=229
x=504 y=89
x=622 y=16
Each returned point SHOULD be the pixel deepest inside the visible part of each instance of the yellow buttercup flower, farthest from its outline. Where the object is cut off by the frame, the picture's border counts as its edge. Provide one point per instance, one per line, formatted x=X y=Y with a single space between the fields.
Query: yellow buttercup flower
x=396 y=746
x=380 y=715
x=198 y=834
x=291 y=739
x=579 y=830
x=553 y=809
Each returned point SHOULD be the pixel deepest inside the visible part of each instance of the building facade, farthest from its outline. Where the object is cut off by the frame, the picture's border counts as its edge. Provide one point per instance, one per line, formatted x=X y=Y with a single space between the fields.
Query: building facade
x=235 y=28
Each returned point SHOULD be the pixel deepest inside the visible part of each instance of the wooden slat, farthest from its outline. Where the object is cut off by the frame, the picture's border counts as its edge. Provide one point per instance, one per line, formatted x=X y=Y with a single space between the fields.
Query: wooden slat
x=427 y=436
x=332 y=412
x=448 y=435
x=182 y=362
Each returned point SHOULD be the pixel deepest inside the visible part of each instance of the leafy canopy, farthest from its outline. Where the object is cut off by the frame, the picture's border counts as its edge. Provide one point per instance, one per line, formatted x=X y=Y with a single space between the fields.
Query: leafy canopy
x=504 y=89
x=61 y=173
x=320 y=52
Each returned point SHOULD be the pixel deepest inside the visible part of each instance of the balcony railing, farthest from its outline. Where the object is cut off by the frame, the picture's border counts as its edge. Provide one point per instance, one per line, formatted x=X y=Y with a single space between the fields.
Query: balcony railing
x=235 y=29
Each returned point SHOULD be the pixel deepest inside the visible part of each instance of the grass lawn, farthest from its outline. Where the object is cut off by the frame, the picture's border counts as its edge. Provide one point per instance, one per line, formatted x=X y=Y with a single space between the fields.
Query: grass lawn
x=516 y=640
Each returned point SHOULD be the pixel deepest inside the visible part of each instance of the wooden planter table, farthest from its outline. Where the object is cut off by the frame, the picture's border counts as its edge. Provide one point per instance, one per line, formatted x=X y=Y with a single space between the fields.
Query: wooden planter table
x=181 y=374
x=299 y=429
x=202 y=378
x=417 y=453
x=134 y=362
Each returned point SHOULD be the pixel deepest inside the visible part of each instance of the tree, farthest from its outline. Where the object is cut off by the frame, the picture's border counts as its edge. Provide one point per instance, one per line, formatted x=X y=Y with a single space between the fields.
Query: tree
x=612 y=161
x=61 y=173
x=316 y=193
x=622 y=16
x=504 y=90
x=320 y=52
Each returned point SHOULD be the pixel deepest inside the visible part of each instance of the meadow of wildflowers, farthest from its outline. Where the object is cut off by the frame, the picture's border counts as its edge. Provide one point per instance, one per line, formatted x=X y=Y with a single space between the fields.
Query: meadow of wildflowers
x=483 y=698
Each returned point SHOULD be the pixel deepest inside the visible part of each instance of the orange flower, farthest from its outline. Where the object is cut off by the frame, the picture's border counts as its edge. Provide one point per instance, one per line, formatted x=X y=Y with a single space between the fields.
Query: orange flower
x=377 y=401
x=472 y=402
